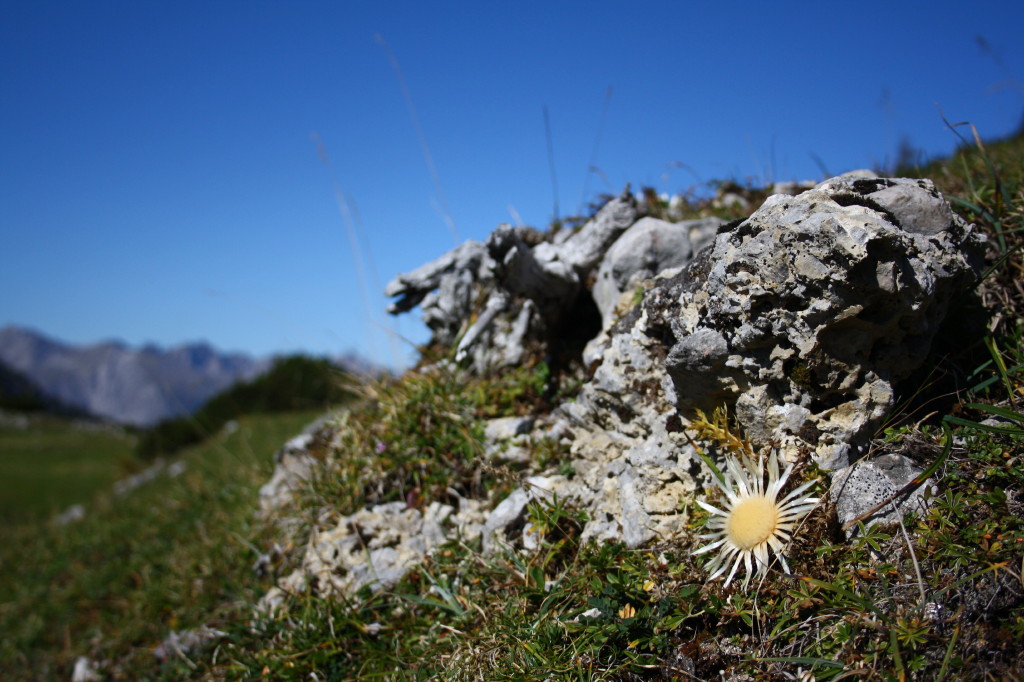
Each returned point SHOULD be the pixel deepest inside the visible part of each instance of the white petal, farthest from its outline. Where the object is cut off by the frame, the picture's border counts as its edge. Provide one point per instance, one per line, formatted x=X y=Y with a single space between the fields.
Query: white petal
x=708 y=536
x=761 y=555
x=773 y=468
x=758 y=475
x=746 y=561
x=740 y=481
x=708 y=548
x=781 y=482
x=798 y=490
x=735 y=565
x=708 y=508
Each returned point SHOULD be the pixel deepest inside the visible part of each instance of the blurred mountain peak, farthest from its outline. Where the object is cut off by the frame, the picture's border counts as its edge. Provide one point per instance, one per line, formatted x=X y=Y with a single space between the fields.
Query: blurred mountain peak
x=136 y=386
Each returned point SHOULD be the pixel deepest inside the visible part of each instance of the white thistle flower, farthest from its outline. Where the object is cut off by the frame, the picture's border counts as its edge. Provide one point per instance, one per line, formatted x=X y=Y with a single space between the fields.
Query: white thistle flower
x=754 y=519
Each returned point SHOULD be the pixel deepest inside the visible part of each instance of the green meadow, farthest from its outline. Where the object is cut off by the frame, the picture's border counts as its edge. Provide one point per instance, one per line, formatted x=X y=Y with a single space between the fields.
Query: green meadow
x=54 y=463
x=173 y=553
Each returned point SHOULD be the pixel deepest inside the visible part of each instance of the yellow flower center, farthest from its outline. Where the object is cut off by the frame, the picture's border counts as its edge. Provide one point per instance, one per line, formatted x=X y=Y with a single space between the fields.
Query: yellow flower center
x=752 y=522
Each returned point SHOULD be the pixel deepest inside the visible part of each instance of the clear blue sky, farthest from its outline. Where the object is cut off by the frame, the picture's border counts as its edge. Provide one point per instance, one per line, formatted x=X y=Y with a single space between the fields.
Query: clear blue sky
x=158 y=181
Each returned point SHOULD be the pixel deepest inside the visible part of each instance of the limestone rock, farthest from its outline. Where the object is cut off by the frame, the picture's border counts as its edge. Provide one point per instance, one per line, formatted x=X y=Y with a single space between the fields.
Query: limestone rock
x=75 y=512
x=85 y=670
x=633 y=471
x=508 y=438
x=505 y=514
x=649 y=247
x=295 y=464
x=792 y=188
x=182 y=643
x=526 y=280
x=373 y=547
x=867 y=483
x=443 y=288
x=804 y=316
x=510 y=512
x=585 y=249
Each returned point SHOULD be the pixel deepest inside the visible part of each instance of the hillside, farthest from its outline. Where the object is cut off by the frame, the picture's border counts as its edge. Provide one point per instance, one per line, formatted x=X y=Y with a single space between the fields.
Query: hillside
x=574 y=482
x=174 y=552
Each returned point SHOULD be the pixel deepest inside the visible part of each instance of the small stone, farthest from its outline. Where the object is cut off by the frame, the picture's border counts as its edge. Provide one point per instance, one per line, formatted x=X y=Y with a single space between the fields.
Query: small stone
x=867 y=483
x=85 y=671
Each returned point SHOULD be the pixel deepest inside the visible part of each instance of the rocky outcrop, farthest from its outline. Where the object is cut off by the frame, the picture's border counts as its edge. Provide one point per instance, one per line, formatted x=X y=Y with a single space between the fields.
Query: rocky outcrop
x=372 y=547
x=801 y=319
x=527 y=281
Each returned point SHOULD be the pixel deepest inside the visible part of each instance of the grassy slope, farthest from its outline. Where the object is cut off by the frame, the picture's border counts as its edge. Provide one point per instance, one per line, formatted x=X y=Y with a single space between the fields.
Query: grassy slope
x=56 y=463
x=174 y=553
x=180 y=555
x=942 y=601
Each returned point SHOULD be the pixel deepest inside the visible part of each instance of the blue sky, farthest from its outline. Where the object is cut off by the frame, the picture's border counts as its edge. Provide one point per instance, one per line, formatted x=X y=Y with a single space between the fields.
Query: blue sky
x=159 y=183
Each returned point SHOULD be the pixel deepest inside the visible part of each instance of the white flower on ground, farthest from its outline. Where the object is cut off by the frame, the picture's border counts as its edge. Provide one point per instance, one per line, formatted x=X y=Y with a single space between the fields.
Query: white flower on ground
x=754 y=519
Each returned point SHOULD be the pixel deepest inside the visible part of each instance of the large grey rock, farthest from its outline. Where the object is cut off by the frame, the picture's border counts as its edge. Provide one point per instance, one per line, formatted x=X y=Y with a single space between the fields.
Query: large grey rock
x=443 y=288
x=805 y=315
x=913 y=205
x=585 y=249
x=540 y=273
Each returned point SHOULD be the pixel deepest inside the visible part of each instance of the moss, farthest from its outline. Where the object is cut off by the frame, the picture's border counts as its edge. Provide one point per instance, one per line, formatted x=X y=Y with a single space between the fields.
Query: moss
x=801 y=375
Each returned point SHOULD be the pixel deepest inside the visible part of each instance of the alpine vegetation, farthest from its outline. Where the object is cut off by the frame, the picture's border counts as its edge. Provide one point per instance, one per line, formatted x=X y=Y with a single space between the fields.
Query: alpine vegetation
x=529 y=501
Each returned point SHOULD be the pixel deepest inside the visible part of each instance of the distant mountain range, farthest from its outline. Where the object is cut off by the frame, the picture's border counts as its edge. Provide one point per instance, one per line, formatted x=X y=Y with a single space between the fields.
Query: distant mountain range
x=135 y=386
x=18 y=393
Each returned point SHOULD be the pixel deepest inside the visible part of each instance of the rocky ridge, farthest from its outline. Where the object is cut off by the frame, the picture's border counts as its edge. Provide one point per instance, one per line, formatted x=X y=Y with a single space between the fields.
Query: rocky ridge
x=801 y=319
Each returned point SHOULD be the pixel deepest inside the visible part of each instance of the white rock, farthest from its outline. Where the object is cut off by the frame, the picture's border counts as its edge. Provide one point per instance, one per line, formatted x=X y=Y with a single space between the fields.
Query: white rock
x=647 y=248
x=85 y=671
x=75 y=512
